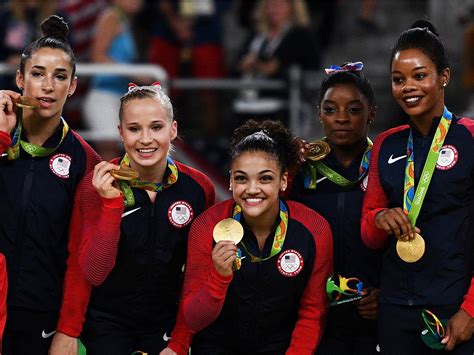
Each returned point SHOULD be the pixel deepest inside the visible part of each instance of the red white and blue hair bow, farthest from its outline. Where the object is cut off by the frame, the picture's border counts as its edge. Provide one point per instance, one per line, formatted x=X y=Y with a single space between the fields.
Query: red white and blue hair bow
x=356 y=66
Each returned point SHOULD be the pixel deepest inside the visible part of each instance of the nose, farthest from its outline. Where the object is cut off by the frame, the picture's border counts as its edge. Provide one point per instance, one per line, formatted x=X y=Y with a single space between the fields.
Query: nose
x=342 y=117
x=145 y=137
x=253 y=187
x=48 y=83
x=409 y=86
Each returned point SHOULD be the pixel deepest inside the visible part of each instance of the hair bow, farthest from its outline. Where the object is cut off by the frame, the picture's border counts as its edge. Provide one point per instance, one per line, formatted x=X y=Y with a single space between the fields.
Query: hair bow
x=355 y=66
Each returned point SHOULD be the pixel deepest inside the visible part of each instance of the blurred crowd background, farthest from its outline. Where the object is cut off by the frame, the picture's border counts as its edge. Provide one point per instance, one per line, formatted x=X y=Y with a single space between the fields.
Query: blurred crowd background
x=229 y=60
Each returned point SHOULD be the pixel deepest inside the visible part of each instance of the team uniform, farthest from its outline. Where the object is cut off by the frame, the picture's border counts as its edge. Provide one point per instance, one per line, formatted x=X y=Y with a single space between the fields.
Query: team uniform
x=134 y=256
x=37 y=200
x=442 y=279
x=346 y=332
x=274 y=306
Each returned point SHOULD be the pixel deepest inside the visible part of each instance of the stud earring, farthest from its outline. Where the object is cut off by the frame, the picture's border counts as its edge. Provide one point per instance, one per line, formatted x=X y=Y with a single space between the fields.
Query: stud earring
x=444 y=84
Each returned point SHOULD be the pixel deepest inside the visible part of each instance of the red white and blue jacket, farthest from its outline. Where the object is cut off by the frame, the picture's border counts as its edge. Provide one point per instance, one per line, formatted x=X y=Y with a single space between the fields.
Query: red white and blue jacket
x=444 y=274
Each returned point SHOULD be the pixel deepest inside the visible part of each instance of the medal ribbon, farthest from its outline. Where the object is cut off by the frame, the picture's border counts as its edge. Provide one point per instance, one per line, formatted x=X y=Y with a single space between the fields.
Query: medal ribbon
x=125 y=186
x=312 y=169
x=413 y=200
x=278 y=239
x=13 y=152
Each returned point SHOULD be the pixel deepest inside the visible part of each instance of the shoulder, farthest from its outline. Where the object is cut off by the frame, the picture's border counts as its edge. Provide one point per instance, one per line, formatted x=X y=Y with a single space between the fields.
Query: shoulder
x=206 y=221
x=91 y=156
x=308 y=217
x=468 y=124
x=390 y=132
x=195 y=175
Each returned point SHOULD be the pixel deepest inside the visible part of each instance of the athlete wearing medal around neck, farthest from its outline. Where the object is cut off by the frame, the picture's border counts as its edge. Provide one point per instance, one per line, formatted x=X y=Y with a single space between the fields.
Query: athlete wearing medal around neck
x=265 y=295
x=334 y=186
x=134 y=231
x=42 y=164
x=421 y=187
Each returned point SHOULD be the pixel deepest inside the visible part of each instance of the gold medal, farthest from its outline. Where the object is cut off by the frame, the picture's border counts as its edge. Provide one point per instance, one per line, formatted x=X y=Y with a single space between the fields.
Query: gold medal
x=228 y=229
x=124 y=173
x=26 y=102
x=411 y=250
x=317 y=150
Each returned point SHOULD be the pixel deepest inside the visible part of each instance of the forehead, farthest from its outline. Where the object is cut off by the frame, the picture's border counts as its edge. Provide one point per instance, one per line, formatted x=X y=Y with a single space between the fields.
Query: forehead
x=50 y=58
x=344 y=92
x=410 y=59
x=144 y=108
x=254 y=162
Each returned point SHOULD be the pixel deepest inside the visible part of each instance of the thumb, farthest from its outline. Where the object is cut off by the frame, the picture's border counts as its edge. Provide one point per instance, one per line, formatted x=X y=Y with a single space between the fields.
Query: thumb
x=447 y=336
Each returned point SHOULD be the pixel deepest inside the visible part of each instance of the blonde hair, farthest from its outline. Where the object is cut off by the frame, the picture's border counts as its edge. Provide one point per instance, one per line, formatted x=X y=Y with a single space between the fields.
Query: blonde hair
x=299 y=14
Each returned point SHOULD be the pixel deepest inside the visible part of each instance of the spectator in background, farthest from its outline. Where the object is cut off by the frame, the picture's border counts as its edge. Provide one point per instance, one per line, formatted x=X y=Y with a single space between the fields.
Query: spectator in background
x=186 y=40
x=114 y=43
x=81 y=15
x=282 y=40
x=19 y=25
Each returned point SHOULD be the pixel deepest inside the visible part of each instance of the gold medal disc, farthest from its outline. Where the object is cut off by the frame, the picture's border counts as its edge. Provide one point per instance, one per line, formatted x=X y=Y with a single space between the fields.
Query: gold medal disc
x=26 y=102
x=228 y=229
x=317 y=150
x=124 y=173
x=412 y=250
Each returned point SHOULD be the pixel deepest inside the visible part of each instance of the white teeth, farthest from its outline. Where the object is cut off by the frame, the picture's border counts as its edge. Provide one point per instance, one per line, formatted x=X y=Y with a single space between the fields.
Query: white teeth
x=412 y=99
x=149 y=150
x=254 y=200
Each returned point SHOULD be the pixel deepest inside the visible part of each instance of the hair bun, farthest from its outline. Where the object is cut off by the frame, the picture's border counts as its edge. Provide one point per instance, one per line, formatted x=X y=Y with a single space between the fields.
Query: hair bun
x=55 y=27
x=425 y=24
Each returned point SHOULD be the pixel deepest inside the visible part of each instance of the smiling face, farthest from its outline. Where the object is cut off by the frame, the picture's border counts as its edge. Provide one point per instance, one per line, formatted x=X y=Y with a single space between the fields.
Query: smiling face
x=345 y=114
x=417 y=86
x=147 y=133
x=256 y=181
x=48 y=77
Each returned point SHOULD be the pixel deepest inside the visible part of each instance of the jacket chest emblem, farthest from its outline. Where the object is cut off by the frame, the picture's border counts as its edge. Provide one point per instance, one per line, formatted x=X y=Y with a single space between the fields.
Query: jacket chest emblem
x=448 y=157
x=290 y=263
x=59 y=164
x=180 y=214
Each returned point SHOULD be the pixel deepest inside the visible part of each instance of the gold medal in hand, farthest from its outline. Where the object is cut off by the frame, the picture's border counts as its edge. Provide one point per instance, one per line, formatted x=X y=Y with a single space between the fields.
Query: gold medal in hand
x=228 y=229
x=124 y=173
x=411 y=250
x=26 y=102
x=317 y=150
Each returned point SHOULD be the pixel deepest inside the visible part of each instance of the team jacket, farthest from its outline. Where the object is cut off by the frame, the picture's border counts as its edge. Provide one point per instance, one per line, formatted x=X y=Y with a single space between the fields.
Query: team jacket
x=135 y=255
x=342 y=207
x=272 y=306
x=37 y=200
x=446 y=220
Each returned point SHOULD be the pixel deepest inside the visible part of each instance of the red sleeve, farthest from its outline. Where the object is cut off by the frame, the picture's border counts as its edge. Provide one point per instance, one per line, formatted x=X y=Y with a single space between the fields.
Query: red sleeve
x=76 y=289
x=375 y=200
x=3 y=296
x=204 y=289
x=313 y=305
x=5 y=141
x=101 y=235
x=468 y=304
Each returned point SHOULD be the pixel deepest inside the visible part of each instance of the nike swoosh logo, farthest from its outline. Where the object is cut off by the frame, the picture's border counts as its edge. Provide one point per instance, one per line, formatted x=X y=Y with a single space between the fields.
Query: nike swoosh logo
x=125 y=214
x=321 y=179
x=4 y=155
x=392 y=160
x=45 y=335
x=166 y=337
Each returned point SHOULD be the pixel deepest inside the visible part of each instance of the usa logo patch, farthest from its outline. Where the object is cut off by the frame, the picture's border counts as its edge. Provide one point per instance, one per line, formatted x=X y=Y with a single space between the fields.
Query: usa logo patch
x=290 y=263
x=180 y=214
x=448 y=157
x=60 y=164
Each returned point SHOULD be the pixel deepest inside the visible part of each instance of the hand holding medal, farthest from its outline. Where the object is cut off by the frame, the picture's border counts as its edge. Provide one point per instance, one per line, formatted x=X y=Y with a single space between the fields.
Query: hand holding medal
x=226 y=256
x=317 y=150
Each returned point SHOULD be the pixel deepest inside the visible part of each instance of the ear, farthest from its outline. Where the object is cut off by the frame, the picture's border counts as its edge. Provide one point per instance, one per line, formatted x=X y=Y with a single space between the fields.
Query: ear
x=372 y=114
x=20 y=81
x=445 y=77
x=72 y=87
x=174 y=130
x=284 y=181
x=119 y=127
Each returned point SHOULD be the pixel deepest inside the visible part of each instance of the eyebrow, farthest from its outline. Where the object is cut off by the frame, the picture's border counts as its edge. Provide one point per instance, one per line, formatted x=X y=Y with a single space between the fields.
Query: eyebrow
x=44 y=68
x=414 y=69
x=259 y=173
x=350 y=102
